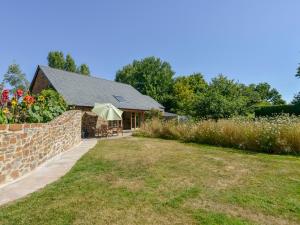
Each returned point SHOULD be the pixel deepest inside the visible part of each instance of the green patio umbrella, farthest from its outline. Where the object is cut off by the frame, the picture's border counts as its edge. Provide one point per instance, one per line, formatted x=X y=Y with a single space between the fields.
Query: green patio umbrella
x=107 y=111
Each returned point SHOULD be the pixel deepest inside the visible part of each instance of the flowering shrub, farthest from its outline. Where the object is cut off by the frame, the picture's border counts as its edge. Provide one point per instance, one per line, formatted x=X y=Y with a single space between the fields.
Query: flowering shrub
x=270 y=135
x=21 y=108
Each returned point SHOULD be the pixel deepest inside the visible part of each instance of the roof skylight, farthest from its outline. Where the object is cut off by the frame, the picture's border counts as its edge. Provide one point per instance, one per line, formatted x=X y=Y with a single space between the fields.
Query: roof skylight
x=120 y=98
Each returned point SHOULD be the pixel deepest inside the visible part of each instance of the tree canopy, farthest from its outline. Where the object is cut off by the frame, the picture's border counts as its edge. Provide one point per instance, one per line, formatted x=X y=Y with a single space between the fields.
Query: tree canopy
x=70 y=64
x=192 y=95
x=83 y=69
x=57 y=60
x=268 y=94
x=15 y=78
x=296 y=99
x=187 y=91
x=298 y=72
x=225 y=98
x=151 y=76
x=222 y=99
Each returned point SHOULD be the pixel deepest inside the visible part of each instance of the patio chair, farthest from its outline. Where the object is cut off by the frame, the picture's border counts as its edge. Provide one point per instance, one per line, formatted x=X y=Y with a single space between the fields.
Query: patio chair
x=105 y=131
x=120 y=130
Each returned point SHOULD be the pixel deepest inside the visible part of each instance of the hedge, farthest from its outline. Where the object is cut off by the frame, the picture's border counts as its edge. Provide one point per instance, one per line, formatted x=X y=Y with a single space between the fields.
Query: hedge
x=277 y=109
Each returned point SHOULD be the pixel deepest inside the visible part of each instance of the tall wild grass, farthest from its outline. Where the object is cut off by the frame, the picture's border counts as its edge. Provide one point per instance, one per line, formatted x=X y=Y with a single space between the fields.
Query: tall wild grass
x=270 y=135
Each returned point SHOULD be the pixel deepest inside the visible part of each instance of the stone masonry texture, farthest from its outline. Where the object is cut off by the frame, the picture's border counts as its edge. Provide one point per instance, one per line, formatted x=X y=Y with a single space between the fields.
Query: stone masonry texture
x=23 y=147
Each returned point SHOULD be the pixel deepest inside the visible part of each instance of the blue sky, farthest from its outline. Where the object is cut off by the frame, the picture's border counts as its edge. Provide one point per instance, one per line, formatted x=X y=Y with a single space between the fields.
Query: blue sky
x=248 y=40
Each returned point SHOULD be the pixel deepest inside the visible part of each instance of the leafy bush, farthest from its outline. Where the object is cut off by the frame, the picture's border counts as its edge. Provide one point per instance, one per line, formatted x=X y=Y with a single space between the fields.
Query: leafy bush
x=21 y=108
x=153 y=113
x=277 y=110
x=269 y=135
x=48 y=106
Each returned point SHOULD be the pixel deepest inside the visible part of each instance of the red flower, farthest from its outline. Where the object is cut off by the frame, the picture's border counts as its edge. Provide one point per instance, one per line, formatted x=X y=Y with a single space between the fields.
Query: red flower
x=29 y=99
x=19 y=92
x=4 y=96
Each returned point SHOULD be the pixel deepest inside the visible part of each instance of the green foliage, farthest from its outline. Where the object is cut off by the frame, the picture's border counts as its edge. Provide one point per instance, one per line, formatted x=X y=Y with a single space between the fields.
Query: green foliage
x=15 y=78
x=296 y=100
x=222 y=99
x=48 y=106
x=83 y=69
x=151 y=76
x=3 y=118
x=153 y=114
x=298 y=72
x=56 y=60
x=268 y=94
x=277 y=110
x=192 y=95
x=70 y=64
x=269 y=135
x=187 y=91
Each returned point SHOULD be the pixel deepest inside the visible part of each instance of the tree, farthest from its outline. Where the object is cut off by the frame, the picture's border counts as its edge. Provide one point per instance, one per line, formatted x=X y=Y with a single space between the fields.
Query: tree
x=223 y=98
x=298 y=72
x=83 y=69
x=15 y=78
x=56 y=60
x=268 y=94
x=296 y=99
x=253 y=97
x=70 y=64
x=151 y=76
x=187 y=91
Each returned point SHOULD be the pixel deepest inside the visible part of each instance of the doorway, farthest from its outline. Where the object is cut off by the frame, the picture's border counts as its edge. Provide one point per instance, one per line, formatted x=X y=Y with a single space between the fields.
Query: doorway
x=132 y=120
x=126 y=120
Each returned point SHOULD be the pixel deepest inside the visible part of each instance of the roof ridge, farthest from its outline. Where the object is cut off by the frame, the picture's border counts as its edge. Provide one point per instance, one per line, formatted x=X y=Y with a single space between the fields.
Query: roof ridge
x=85 y=76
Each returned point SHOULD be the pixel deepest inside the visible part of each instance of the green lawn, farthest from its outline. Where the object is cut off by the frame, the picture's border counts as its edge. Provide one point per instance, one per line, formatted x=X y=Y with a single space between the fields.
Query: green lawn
x=154 y=181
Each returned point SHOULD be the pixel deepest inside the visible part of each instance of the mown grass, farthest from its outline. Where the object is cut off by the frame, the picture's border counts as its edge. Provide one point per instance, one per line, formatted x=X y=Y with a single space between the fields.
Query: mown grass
x=154 y=181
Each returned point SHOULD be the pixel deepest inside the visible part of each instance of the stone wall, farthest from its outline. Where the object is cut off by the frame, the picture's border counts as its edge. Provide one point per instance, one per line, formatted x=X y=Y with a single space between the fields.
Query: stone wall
x=23 y=147
x=90 y=122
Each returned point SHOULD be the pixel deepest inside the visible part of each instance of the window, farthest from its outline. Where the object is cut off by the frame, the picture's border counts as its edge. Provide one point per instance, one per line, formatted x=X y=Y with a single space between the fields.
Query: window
x=119 y=98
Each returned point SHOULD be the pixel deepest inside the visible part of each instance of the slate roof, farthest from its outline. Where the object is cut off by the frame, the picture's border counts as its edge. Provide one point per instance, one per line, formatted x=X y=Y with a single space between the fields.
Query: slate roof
x=168 y=114
x=82 y=90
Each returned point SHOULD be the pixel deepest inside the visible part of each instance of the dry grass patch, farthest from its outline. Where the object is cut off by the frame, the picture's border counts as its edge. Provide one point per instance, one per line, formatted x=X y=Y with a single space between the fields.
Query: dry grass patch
x=268 y=135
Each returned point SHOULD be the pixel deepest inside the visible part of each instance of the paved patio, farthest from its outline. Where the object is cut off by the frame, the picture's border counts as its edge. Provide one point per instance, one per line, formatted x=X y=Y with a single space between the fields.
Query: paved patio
x=48 y=172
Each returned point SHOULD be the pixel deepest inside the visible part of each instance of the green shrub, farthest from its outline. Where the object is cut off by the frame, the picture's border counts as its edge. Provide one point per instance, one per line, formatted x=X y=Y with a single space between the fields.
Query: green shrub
x=153 y=114
x=269 y=135
x=277 y=110
x=49 y=104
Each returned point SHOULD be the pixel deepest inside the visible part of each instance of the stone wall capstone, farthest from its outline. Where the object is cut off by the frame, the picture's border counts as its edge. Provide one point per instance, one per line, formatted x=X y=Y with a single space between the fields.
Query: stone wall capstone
x=23 y=147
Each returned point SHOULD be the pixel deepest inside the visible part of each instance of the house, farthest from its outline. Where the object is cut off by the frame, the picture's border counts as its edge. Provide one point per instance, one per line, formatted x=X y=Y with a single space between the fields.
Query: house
x=83 y=92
